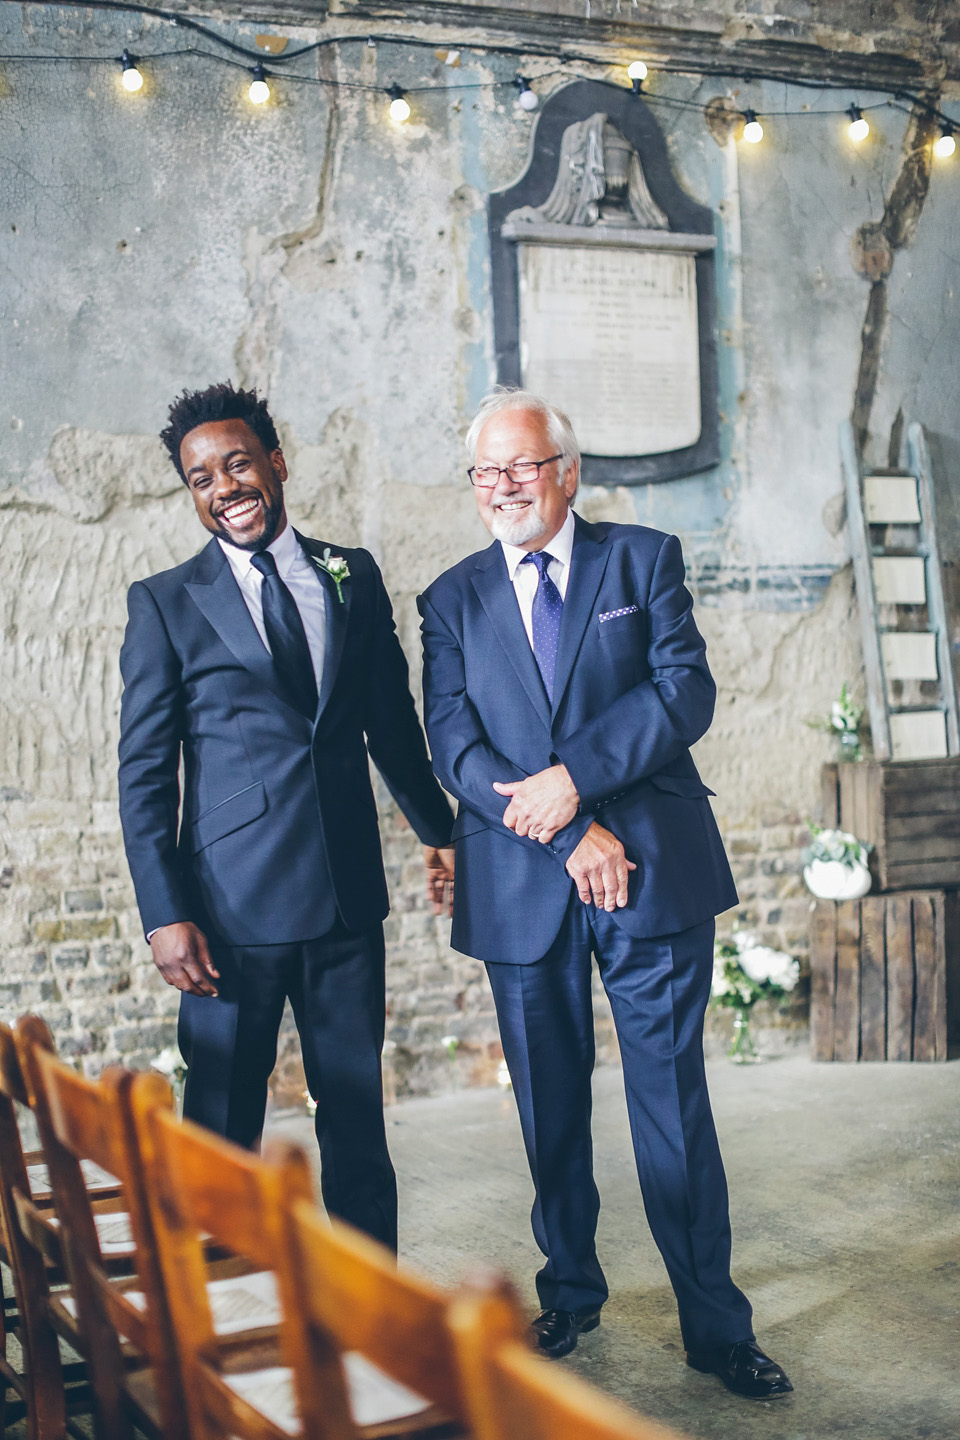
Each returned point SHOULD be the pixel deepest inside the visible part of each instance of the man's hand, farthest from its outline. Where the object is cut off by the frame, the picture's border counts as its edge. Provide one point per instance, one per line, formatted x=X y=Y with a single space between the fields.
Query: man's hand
x=600 y=869
x=540 y=805
x=181 y=954
x=439 y=863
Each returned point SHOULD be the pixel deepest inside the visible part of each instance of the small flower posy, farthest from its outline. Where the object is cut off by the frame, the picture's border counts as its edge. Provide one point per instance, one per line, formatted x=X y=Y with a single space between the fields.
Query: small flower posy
x=170 y=1063
x=845 y=717
x=337 y=568
x=835 y=845
x=745 y=972
x=843 y=723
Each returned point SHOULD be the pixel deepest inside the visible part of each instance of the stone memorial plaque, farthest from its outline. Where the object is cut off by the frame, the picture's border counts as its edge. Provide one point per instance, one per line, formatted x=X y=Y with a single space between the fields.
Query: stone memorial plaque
x=602 y=274
x=611 y=335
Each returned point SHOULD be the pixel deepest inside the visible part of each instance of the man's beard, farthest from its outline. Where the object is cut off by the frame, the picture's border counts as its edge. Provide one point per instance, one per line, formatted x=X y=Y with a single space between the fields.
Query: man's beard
x=527 y=526
x=272 y=515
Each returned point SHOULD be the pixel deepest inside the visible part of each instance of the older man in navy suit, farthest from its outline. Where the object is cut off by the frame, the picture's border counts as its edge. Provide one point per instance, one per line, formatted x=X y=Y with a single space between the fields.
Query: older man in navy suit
x=564 y=682
x=269 y=665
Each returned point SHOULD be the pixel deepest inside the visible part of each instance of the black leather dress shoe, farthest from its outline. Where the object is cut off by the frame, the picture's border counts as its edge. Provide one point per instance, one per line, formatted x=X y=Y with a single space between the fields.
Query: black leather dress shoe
x=743 y=1368
x=557 y=1330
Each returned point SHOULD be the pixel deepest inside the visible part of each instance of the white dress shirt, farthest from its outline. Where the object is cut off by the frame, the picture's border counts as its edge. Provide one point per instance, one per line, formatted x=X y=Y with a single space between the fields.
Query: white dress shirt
x=526 y=578
x=299 y=574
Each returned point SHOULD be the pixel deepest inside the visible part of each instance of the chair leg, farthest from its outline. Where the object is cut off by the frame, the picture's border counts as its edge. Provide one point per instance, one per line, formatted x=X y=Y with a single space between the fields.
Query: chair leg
x=3 y=1350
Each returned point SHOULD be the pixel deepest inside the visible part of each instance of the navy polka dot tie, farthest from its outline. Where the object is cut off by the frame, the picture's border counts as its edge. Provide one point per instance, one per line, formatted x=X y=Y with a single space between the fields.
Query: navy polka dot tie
x=547 y=609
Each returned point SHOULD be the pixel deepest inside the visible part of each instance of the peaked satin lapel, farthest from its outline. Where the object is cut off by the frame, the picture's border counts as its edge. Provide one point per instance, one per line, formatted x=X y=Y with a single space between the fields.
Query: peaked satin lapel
x=587 y=564
x=337 y=617
x=217 y=596
x=499 y=600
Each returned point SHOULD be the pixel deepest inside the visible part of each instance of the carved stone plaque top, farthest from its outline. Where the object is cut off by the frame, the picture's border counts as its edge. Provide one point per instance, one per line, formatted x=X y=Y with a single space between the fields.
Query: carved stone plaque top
x=599 y=180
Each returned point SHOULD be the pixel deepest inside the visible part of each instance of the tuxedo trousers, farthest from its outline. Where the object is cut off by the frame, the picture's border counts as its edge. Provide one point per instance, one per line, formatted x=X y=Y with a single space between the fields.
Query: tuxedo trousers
x=658 y=990
x=336 y=989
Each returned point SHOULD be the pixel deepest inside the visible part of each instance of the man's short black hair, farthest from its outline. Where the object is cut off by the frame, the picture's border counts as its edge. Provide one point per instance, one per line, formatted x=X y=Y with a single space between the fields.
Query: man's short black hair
x=217 y=402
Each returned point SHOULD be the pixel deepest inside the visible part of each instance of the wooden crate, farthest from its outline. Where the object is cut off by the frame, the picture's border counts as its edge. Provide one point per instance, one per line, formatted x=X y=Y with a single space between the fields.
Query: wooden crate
x=885 y=977
x=908 y=810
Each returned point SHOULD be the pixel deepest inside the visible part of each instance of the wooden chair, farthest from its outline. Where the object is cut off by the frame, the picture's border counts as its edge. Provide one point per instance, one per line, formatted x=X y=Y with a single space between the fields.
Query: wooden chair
x=513 y=1393
x=39 y=1382
x=357 y=1309
x=297 y=1383
x=49 y=1390
x=105 y=1325
x=124 y=1320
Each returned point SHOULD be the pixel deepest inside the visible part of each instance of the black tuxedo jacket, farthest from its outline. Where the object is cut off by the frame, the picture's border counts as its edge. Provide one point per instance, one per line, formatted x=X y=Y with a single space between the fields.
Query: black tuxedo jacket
x=277 y=821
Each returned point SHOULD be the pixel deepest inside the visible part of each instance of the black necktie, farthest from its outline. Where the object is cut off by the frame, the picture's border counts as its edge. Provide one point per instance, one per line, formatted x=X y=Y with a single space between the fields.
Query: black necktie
x=286 y=637
x=547 y=609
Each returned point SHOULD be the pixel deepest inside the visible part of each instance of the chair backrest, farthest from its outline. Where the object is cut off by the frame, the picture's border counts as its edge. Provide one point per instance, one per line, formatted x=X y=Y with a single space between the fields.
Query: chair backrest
x=40 y=1382
x=515 y=1394
x=203 y=1189
x=85 y=1121
x=351 y=1297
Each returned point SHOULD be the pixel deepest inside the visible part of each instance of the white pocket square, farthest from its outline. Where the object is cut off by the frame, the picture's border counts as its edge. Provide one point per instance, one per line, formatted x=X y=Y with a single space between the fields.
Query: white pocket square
x=615 y=614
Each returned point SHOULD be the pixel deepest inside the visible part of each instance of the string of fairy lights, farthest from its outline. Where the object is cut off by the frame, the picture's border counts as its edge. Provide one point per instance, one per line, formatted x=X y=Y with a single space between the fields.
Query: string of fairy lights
x=750 y=123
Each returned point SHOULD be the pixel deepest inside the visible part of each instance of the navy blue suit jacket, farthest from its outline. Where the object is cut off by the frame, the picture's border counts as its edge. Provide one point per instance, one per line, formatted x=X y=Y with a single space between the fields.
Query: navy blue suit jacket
x=631 y=694
x=277 y=821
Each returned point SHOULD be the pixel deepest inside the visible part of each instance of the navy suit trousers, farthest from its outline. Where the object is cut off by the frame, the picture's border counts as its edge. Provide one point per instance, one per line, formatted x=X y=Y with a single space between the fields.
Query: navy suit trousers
x=336 y=990
x=658 y=990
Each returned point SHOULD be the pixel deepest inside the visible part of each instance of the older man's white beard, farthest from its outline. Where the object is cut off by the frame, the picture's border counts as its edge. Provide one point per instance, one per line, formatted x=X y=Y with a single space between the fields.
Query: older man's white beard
x=518 y=529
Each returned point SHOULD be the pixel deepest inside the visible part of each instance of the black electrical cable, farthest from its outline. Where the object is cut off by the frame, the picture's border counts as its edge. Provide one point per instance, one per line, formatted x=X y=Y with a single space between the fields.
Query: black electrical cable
x=531 y=49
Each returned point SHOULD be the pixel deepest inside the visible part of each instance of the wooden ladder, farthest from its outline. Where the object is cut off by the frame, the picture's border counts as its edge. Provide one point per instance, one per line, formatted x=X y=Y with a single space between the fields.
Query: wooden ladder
x=891 y=521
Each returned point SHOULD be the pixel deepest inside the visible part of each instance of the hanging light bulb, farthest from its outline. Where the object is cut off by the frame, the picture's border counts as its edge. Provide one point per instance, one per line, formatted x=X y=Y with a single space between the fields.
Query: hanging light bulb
x=399 y=109
x=946 y=145
x=526 y=98
x=130 y=77
x=259 y=91
x=752 y=129
x=637 y=72
x=859 y=127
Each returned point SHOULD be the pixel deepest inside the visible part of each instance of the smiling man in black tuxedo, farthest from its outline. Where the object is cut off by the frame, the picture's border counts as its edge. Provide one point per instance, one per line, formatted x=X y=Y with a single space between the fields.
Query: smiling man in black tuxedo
x=269 y=664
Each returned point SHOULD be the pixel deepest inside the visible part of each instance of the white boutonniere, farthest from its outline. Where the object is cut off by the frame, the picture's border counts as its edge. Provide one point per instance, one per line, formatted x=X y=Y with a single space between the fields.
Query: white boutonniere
x=337 y=568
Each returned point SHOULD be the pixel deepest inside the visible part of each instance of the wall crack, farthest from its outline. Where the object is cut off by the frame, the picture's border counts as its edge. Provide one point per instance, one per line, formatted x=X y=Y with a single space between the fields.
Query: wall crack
x=874 y=249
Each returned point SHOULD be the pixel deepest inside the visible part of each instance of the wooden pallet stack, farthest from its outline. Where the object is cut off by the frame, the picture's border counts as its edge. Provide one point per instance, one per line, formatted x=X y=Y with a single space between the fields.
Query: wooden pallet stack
x=885 y=970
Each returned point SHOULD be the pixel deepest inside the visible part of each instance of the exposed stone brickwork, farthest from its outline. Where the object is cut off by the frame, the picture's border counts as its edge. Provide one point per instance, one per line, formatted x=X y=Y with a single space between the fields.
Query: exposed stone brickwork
x=70 y=938
x=73 y=952
x=775 y=906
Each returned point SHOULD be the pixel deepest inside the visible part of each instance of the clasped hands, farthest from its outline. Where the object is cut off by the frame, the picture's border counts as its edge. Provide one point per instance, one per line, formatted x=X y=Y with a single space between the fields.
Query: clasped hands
x=544 y=803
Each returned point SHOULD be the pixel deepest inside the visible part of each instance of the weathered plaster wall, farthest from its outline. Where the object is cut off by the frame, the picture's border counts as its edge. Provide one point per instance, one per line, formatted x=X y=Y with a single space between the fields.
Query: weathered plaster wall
x=179 y=236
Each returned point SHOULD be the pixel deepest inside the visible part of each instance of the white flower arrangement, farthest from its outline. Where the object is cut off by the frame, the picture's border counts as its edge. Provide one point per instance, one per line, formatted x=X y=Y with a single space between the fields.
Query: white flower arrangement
x=836 y=846
x=845 y=717
x=171 y=1063
x=843 y=723
x=744 y=971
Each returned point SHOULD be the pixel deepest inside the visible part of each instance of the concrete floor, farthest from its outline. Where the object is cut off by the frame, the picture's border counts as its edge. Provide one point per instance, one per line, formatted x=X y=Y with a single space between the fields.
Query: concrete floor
x=844 y=1184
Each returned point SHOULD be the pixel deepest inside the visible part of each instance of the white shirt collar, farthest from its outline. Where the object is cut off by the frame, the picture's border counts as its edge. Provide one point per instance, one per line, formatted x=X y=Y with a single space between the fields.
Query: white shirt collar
x=560 y=547
x=285 y=550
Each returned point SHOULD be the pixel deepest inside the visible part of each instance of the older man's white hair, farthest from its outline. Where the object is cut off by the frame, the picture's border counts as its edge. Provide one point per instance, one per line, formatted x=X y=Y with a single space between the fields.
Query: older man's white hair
x=559 y=430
